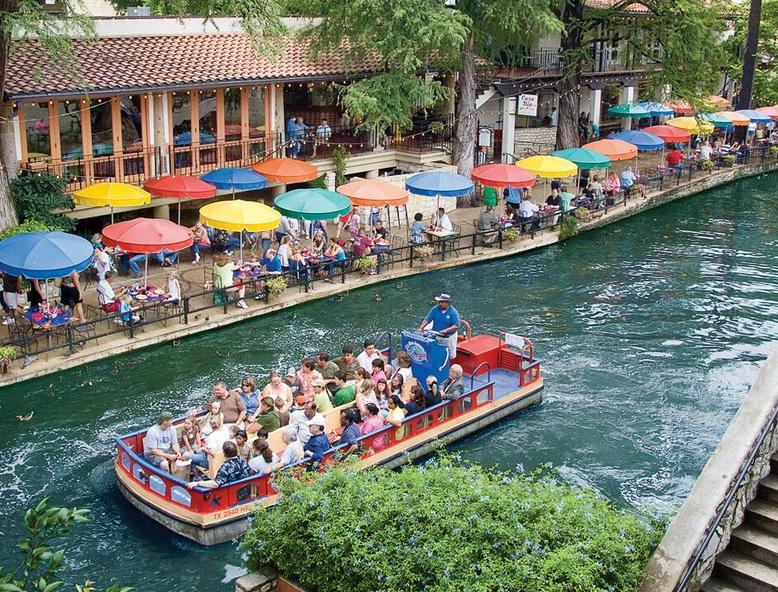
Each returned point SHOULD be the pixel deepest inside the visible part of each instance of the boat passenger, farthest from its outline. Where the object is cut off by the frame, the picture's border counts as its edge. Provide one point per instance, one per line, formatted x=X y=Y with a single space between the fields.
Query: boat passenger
x=217 y=436
x=250 y=395
x=350 y=435
x=373 y=419
x=366 y=395
x=416 y=403
x=453 y=388
x=233 y=469
x=403 y=364
x=190 y=438
x=382 y=395
x=277 y=388
x=318 y=443
x=293 y=382
x=214 y=410
x=160 y=446
x=378 y=372
x=307 y=375
x=294 y=448
x=432 y=396
x=321 y=397
x=369 y=353
x=396 y=411
x=360 y=376
x=241 y=441
x=264 y=459
x=283 y=412
x=445 y=321
x=396 y=385
x=267 y=420
x=347 y=362
x=344 y=393
x=301 y=420
x=326 y=368
x=232 y=406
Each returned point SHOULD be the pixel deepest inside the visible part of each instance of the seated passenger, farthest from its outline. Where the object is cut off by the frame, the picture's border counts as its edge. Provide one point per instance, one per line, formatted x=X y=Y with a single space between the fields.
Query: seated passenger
x=307 y=375
x=277 y=387
x=241 y=442
x=283 y=413
x=294 y=448
x=302 y=419
x=250 y=395
x=218 y=434
x=293 y=383
x=321 y=397
x=264 y=458
x=382 y=395
x=350 y=435
x=373 y=420
x=432 y=396
x=318 y=443
x=190 y=441
x=213 y=411
x=267 y=420
x=416 y=403
x=344 y=393
x=396 y=386
x=378 y=372
x=347 y=362
x=396 y=411
x=160 y=446
x=366 y=395
x=453 y=388
x=403 y=362
x=232 y=406
x=233 y=469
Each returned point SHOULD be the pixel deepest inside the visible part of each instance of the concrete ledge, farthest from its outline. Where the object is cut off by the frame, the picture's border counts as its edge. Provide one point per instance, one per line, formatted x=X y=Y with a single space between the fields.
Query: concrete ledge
x=668 y=565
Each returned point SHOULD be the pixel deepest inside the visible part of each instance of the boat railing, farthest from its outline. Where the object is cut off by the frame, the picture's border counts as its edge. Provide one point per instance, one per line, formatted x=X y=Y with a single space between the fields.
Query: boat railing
x=475 y=373
x=227 y=500
x=468 y=328
x=383 y=343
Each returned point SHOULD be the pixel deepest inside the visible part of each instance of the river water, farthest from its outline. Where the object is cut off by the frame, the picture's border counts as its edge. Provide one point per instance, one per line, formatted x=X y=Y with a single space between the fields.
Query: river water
x=651 y=330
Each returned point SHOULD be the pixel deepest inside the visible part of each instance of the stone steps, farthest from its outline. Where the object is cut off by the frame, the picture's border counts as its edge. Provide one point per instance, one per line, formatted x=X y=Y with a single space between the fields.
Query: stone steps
x=747 y=572
x=716 y=585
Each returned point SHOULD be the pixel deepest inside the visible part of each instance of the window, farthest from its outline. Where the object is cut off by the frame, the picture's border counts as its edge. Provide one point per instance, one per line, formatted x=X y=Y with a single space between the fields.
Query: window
x=70 y=129
x=102 y=128
x=182 y=120
x=232 y=123
x=132 y=125
x=36 y=125
x=256 y=112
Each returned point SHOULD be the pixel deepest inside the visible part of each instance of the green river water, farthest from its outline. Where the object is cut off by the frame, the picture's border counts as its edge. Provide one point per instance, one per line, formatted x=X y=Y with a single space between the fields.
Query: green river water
x=651 y=330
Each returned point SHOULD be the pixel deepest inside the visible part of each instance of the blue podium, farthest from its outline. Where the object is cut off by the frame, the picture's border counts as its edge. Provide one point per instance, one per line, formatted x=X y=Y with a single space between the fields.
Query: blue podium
x=428 y=356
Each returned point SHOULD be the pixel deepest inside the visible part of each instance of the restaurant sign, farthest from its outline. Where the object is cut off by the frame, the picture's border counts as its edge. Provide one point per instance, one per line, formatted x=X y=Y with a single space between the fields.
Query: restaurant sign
x=527 y=105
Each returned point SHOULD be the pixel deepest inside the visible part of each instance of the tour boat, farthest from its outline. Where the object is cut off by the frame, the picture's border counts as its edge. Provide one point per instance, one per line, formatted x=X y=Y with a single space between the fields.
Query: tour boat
x=501 y=377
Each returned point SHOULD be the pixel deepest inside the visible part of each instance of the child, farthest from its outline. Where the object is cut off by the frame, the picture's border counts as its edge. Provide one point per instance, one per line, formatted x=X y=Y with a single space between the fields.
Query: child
x=378 y=370
x=126 y=312
x=244 y=450
x=283 y=415
x=190 y=436
x=213 y=412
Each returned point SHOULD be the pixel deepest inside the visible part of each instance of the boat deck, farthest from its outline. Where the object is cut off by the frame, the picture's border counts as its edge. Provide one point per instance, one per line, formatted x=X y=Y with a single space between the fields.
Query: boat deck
x=505 y=382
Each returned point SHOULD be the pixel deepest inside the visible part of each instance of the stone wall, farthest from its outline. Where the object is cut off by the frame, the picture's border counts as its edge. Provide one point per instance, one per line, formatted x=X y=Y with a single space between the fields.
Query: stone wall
x=540 y=139
x=708 y=498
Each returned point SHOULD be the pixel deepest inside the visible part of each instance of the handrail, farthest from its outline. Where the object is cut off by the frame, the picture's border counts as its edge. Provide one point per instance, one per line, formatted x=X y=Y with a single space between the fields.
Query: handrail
x=724 y=507
x=475 y=373
x=468 y=329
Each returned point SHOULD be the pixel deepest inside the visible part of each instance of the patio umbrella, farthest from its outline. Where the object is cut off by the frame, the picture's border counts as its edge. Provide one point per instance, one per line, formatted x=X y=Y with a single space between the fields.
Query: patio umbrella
x=718 y=120
x=771 y=112
x=629 y=110
x=180 y=187
x=754 y=115
x=691 y=125
x=548 y=167
x=584 y=159
x=147 y=235
x=680 y=106
x=718 y=101
x=376 y=194
x=668 y=133
x=642 y=140
x=613 y=149
x=238 y=215
x=733 y=117
x=45 y=255
x=312 y=204
x=115 y=195
x=503 y=175
x=235 y=179
x=439 y=184
x=656 y=109
x=286 y=170
x=185 y=139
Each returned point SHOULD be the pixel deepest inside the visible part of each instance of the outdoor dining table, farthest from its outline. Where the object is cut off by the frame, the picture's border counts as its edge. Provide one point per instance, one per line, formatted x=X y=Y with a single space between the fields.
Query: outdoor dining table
x=149 y=295
x=442 y=234
x=248 y=271
x=47 y=322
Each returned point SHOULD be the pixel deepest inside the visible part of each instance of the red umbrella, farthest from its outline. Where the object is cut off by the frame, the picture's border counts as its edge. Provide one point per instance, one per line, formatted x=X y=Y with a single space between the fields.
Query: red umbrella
x=376 y=194
x=680 y=106
x=668 y=133
x=771 y=112
x=180 y=187
x=147 y=235
x=286 y=170
x=502 y=175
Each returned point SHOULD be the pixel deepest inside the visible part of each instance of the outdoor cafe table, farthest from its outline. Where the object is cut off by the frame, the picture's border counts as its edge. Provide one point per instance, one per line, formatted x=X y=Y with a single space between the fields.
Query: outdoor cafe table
x=149 y=296
x=46 y=322
x=442 y=234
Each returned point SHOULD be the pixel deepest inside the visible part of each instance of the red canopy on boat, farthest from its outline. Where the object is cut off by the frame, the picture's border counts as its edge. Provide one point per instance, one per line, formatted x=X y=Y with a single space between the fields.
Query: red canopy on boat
x=668 y=133
x=147 y=235
x=286 y=170
x=503 y=175
x=373 y=193
x=180 y=187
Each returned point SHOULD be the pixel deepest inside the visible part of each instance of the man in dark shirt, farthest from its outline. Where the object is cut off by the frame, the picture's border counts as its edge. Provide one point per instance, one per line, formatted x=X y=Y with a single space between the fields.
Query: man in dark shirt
x=350 y=435
x=326 y=368
x=233 y=469
x=379 y=230
x=318 y=443
x=232 y=406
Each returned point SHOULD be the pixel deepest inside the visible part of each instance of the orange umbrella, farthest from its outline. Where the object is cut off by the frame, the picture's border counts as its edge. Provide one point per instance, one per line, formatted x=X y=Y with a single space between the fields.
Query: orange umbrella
x=286 y=170
x=718 y=101
x=613 y=149
x=736 y=118
x=771 y=112
x=680 y=106
x=373 y=193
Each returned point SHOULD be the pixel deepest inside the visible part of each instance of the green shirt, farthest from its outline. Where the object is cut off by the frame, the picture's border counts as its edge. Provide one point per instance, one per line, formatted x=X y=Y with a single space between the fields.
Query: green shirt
x=490 y=196
x=269 y=421
x=345 y=394
x=222 y=275
x=323 y=403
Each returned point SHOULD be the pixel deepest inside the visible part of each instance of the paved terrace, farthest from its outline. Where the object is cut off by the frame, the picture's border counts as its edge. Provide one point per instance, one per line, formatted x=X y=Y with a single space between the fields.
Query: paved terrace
x=102 y=337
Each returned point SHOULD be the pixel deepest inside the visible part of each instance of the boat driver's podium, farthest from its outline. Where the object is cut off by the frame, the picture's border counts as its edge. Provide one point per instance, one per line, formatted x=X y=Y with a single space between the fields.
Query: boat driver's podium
x=428 y=353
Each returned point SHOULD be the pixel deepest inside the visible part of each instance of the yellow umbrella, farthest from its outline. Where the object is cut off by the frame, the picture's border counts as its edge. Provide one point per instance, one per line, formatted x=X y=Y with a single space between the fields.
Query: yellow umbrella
x=548 y=167
x=115 y=195
x=237 y=215
x=691 y=125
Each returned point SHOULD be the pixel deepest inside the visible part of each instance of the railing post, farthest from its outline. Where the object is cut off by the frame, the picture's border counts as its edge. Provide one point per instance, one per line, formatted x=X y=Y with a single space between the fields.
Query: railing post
x=443 y=249
x=224 y=299
x=343 y=272
x=410 y=263
x=186 y=310
x=472 y=248
x=69 y=333
x=131 y=326
x=499 y=237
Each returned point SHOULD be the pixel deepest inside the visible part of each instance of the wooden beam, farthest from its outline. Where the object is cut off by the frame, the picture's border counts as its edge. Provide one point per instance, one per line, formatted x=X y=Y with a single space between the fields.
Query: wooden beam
x=22 y=131
x=144 y=132
x=116 y=128
x=54 y=139
x=220 y=153
x=194 y=122
x=245 y=123
x=86 y=141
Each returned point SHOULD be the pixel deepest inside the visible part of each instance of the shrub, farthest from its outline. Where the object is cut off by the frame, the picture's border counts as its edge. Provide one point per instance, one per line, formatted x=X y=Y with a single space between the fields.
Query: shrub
x=772 y=150
x=28 y=226
x=275 y=286
x=443 y=527
x=37 y=196
x=8 y=352
x=729 y=160
x=365 y=264
x=568 y=228
x=510 y=234
x=318 y=183
x=423 y=252
x=583 y=214
x=707 y=165
x=339 y=157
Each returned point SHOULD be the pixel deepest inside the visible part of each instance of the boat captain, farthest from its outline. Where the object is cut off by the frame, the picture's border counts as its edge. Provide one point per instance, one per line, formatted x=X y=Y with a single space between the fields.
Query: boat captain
x=443 y=319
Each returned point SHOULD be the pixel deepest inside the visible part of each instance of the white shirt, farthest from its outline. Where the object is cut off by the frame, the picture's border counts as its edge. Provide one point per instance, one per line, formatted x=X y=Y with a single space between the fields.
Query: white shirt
x=283 y=253
x=554 y=118
x=406 y=373
x=174 y=290
x=705 y=152
x=366 y=361
x=260 y=466
x=105 y=293
x=102 y=264
x=293 y=453
x=300 y=422
x=527 y=209
x=445 y=223
x=216 y=439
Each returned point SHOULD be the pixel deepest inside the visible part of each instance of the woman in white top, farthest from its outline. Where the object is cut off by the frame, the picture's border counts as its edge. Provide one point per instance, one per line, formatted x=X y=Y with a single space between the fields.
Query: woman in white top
x=284 y=252
x=172 y=288
x=102 y=263
x=294 y=448
x=264 y=458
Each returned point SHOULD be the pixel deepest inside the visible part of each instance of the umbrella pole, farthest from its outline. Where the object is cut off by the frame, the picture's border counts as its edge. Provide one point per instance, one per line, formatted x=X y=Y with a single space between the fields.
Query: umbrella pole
x=241 y=246
x=179 y=211
x=146 y=265
x=111 y=214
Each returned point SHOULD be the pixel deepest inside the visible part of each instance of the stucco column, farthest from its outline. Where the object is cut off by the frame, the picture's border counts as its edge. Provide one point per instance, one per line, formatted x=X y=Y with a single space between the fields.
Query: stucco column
x=159 y=131
x=277 y=190
x=162 y=212
x=595 y=106
x=12 y=150
x=371 y=174
x=627 y=95
x=508 y=129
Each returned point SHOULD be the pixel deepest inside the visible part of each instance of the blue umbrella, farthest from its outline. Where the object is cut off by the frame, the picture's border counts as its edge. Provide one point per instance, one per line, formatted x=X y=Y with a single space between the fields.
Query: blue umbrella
x=439 y=184
x=754 y=116
x=235 y=179
x=185 y=139
x=657 y=109
x=643 y=140
x=45 y=255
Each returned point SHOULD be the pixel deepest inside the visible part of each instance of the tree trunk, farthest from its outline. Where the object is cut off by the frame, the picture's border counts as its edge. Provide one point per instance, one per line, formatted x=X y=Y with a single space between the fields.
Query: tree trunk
x=7 y=208
x=570 y=84
x=466 y=121
x=749 y=57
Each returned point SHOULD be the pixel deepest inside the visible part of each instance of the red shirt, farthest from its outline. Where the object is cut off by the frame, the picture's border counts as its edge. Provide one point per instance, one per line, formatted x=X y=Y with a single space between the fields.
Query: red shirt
x=674 y=158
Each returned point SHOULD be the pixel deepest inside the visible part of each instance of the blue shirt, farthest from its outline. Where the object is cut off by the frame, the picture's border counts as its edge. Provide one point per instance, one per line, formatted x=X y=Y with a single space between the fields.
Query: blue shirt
x=417 y=231
x=251 y=401
x=443 y=320
x=298 y=131
x=350 y=434
x=273 y=264
x=318 y=445
x=627 y=179
x=233 y=469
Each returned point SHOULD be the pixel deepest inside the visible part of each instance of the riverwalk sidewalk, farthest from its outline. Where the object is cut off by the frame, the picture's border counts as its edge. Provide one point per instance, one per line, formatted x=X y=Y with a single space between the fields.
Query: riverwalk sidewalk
x=201 y=313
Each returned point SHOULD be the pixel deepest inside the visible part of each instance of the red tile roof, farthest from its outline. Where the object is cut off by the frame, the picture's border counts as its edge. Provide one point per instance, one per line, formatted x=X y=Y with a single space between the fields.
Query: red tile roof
x=150 y=63
x=635 y=7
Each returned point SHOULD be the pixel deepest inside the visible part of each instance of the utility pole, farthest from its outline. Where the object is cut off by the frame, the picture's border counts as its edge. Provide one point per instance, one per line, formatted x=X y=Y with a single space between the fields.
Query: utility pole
x=749 y=58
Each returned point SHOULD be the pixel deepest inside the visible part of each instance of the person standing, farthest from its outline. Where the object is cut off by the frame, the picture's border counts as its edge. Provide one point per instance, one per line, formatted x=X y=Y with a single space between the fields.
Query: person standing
x=445 y=321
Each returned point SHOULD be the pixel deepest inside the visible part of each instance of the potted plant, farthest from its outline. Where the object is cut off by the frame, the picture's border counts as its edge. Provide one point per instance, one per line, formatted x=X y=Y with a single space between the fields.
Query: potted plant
x=275 y=286
x=583 y=214
x=365 y=264
x=423 y=253
x=437 y=127
x=729 y=160
x=707 y=165
x=8 y=353
x=772 y=150
x=510 y=234
x=568 y=228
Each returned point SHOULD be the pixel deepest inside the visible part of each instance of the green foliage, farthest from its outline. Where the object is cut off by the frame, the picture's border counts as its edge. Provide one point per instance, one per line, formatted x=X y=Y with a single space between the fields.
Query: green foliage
x=364 y=264
x=28 y=226
x=8 y=352
x=275 y=285
x=37 y=571
x=583 y=214
x=318 y=183
x=568 y=228
x=423 y=252
x=707 y=165
x=339 y=157
x=510 y=234
x=729 y=160
x=772 y=150
x=37 y=196
x=445 y=527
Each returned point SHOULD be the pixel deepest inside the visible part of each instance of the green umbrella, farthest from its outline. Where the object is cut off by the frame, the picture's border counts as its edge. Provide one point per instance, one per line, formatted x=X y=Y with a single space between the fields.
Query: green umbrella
x=584 y=158
x=629 y=110
x=312 y=204
x=717 y=120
